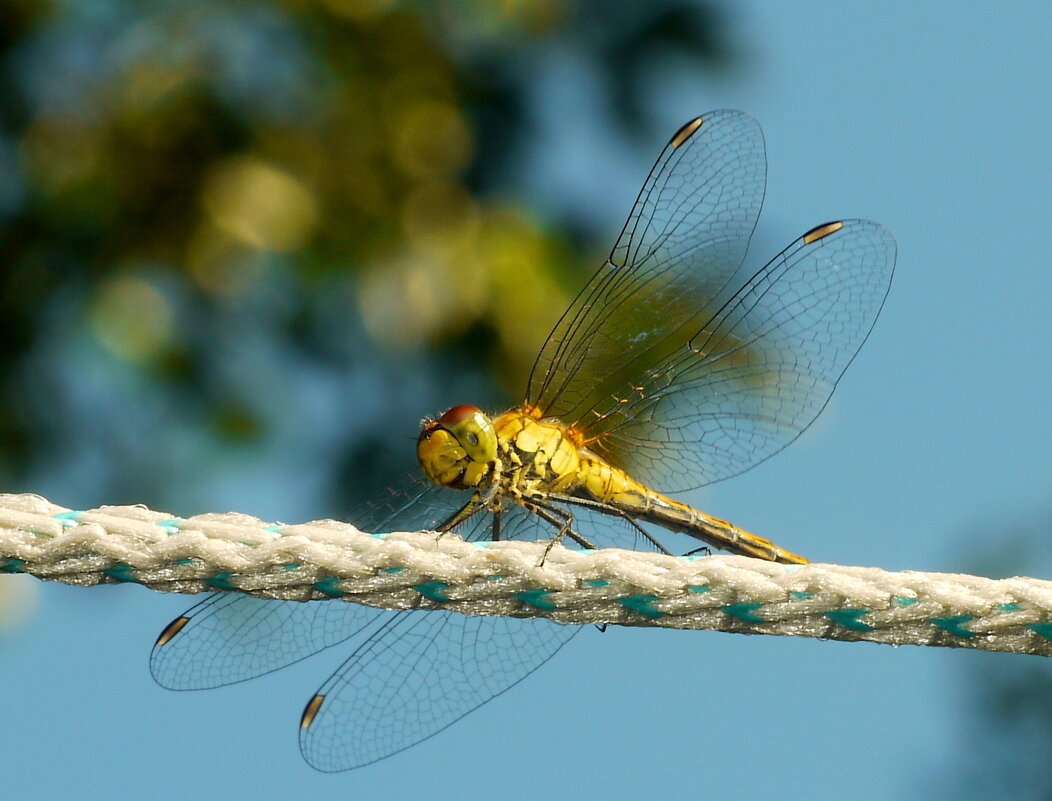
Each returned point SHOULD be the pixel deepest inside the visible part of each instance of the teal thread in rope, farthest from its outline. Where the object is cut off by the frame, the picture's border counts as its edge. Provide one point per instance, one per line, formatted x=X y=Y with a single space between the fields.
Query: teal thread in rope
x=221 y=581
x=954 y=625
x=699 y=588
x=849 y=619
x=1044 y=629
x=68 y=519
x=328 y=587
x=121 y=572
x=537 y=599
x=12 y=565
x=170 y=526
x=745 y=612
x=643 y=604
x=597 y=582
x=903 y=601
x=435 y=590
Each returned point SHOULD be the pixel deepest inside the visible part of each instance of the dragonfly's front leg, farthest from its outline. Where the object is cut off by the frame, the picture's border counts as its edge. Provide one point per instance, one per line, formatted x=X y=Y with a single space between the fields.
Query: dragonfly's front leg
x=459 y=516
x=478 y=502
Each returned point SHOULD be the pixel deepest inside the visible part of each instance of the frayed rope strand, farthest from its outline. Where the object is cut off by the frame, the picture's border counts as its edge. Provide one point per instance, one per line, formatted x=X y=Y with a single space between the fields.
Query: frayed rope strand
x=327 y=560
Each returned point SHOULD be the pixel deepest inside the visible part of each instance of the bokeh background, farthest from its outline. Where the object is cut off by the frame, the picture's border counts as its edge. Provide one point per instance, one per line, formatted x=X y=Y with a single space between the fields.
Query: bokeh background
x=244 y=247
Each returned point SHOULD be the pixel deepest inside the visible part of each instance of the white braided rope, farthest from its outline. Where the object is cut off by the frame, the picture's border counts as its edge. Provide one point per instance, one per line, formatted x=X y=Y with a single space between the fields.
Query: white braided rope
x=326 y=559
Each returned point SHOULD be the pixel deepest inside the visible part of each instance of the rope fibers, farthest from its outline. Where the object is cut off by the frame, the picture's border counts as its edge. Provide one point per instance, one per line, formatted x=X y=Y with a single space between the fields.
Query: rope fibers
x=327 y=560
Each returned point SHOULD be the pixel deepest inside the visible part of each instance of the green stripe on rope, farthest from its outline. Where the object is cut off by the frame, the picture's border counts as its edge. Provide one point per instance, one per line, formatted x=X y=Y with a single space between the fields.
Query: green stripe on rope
x=121 y=572
x=435 y=590
x=954 y=625
x=745 y=612
x=221 y=581
x=643 y=604
x=328 y=587
x=849 y=619
x=537 y=599
x=1044 y=629
x=68 y=519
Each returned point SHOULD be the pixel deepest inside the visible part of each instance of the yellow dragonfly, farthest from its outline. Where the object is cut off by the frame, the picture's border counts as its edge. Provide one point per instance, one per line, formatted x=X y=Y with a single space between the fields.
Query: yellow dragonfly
x=672 y=368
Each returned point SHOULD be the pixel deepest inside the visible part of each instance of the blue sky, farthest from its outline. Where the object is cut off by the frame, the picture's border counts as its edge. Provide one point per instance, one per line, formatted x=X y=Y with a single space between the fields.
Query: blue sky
x=930 y=118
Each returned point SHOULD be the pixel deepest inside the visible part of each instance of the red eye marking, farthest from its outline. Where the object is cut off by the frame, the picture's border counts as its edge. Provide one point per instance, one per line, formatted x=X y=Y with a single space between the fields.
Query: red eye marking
x=458 y=414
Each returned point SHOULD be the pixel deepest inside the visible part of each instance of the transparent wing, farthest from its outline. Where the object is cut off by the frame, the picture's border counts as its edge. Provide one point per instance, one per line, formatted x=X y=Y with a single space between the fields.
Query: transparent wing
x=759 y=369
x=230 y=637
x=686 y=236
x=415 y=676
x=418 y=673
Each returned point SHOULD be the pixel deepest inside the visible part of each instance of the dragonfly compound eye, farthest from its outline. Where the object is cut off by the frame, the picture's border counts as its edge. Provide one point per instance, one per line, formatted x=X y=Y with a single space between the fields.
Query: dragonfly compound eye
x=473 y=430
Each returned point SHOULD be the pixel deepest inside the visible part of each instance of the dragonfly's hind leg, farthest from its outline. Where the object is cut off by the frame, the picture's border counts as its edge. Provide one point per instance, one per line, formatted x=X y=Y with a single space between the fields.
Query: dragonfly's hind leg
x=613 y=510
x=562 y=520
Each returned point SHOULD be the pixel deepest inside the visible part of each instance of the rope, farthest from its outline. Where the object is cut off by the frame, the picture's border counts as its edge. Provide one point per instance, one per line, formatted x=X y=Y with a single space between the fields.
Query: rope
x=328 y=560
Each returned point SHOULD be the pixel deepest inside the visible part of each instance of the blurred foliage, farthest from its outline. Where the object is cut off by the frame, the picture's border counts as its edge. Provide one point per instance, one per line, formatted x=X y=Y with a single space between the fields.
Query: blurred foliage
x=217 y=220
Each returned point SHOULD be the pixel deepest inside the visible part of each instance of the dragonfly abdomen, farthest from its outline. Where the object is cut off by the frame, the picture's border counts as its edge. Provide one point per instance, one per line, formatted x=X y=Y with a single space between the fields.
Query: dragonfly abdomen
x=615 y=488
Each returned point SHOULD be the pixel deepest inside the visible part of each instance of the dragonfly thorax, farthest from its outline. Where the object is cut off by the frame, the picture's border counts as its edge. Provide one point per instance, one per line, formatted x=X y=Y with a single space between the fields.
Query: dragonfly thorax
x=518 y=450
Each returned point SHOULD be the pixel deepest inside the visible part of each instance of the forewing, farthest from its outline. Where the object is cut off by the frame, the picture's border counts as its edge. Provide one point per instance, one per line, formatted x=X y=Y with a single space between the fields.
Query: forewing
x=686 y=235
x=417 y=675
x=759 y=370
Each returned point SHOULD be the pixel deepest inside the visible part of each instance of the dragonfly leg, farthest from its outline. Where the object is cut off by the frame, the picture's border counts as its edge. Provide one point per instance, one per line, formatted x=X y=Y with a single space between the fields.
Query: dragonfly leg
x=478 y=502
x=705 y=549
x=462 y=514
x=612 y=510
x=563 y=521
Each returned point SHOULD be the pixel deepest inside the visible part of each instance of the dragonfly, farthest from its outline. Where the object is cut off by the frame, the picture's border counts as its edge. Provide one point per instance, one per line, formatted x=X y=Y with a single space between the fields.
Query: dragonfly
x=673 y=368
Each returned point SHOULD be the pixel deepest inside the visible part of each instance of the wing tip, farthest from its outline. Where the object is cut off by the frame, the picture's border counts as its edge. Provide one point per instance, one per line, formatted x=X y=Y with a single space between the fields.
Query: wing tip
x=310 y=712
x=171 y=630
x=686 y=131
x=822 y=231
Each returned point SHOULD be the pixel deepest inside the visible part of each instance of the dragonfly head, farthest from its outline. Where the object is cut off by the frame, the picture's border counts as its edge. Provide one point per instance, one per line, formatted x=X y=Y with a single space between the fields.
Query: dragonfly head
x=458 y=449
